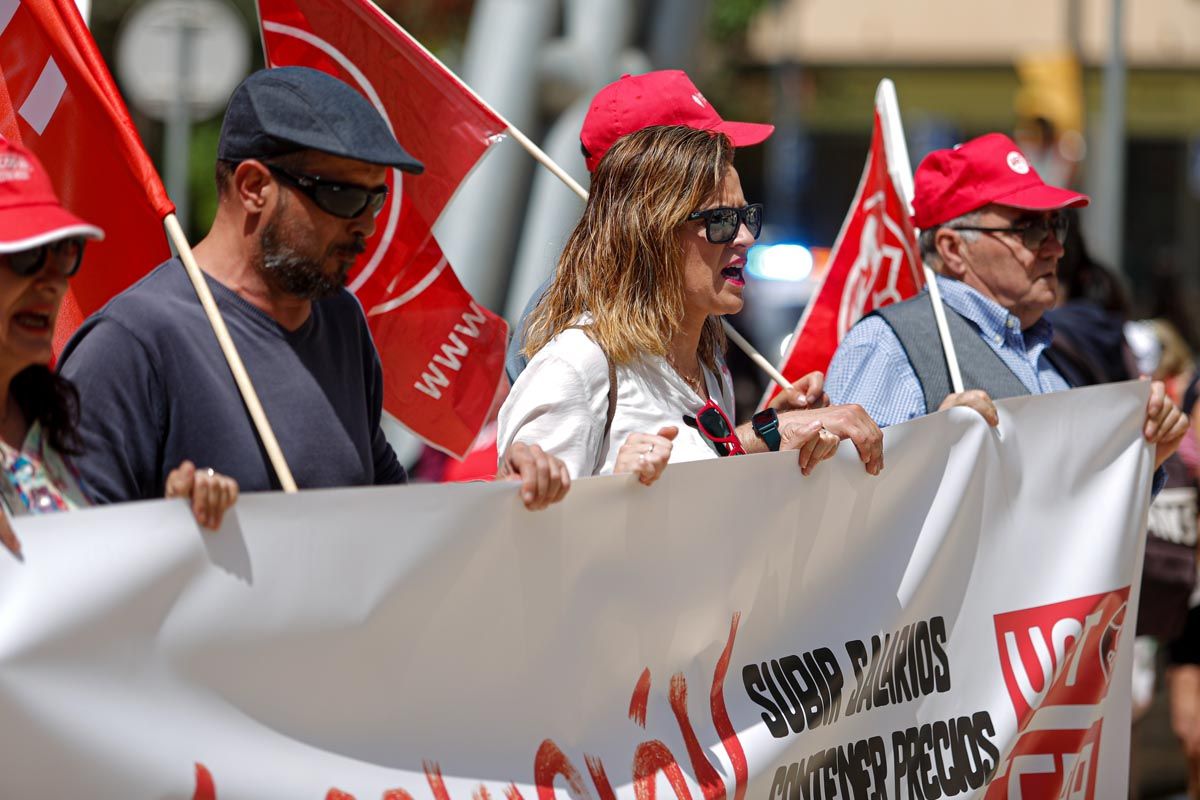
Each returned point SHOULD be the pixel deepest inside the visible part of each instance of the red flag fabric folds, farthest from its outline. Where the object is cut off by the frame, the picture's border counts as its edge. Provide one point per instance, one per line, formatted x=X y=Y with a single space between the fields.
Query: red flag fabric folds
x=874 y=262
x=443 y=353
x=58 y=99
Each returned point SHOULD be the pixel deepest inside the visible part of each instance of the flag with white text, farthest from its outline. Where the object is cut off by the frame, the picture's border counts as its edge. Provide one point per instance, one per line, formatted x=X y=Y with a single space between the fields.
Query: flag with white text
x=442 y=352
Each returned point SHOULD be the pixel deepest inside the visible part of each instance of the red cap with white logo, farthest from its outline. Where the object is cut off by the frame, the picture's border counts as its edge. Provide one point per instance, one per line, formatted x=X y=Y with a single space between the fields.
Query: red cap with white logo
x=990 y=169
x=664 y=97
x=30 y=213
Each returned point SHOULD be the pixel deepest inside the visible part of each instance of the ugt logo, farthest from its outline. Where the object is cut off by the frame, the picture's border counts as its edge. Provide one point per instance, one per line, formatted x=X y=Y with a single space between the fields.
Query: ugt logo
x=1060 y=654
x=1057 y=658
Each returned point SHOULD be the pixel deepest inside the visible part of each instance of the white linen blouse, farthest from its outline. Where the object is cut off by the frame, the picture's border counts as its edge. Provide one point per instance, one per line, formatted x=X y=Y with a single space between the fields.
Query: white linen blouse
x=560 y=403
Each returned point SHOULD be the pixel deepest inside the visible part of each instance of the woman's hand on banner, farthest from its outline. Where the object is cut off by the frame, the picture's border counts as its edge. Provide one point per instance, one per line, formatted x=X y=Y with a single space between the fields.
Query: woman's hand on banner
x=810 y=438
x=646 y=455
x=848 y=421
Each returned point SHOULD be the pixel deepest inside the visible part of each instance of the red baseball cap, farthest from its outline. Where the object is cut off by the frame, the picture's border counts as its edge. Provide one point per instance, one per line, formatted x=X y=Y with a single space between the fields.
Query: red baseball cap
x=30 y=213
x=990 y=169
x=664 y=97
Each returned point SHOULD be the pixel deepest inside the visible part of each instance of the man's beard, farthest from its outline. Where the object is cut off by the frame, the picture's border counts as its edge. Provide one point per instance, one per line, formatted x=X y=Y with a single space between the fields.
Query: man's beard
x=295 y=272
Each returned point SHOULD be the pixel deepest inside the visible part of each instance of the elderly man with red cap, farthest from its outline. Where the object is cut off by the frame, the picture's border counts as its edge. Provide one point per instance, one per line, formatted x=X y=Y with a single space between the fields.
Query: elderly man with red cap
x=994 y=232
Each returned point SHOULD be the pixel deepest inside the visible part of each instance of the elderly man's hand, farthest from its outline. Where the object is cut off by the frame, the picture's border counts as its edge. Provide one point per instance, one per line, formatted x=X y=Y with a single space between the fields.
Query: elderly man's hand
x=976 y=399
x=544 y=478
x=808 y=392
x=847 y=422
x=1165 y=425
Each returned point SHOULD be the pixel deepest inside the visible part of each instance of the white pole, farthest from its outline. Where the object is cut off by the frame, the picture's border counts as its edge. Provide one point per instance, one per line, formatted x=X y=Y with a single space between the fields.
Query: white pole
x=240 y=376
x=900 y=170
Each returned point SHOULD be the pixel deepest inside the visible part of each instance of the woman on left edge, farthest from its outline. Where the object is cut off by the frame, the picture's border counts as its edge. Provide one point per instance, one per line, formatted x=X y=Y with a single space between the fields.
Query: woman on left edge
x=41 y=247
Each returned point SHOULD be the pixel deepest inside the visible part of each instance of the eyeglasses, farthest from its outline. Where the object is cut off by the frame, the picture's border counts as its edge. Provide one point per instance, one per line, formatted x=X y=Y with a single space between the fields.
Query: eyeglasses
x=714 y=426
x=1033 y=233
x=64 y=257
x=721 y=224
x=345 y=200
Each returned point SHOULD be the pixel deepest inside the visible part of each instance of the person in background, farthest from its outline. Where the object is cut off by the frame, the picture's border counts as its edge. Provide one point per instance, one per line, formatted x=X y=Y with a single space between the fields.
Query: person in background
x=1089 y=316
x=1176 y=366
x=41 y=247
x=625 y=372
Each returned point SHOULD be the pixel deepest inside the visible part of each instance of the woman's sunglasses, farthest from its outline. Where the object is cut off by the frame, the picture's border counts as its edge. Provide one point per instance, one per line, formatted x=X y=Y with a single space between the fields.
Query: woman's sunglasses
x=721 y=224
x=714 y=426
x=63 y=256
x=345 y=200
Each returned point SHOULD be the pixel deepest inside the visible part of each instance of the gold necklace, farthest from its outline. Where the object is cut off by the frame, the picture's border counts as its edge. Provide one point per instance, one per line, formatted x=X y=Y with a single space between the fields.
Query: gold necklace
x=697 y=383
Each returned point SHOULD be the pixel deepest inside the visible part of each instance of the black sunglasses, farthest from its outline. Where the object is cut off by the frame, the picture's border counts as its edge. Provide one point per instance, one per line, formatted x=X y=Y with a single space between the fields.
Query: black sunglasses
x=64 y=256
x=721 y=224
x=1033 y=233
x=345 y=200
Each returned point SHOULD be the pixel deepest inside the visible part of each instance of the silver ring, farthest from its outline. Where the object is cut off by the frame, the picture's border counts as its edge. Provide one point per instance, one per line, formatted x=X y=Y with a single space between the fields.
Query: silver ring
x=210 y=471
x=650 y=449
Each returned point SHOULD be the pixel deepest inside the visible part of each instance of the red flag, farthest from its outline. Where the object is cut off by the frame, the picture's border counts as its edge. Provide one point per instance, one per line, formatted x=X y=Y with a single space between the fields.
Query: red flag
x=874 y=262
x=58 y=99
x=443 y=353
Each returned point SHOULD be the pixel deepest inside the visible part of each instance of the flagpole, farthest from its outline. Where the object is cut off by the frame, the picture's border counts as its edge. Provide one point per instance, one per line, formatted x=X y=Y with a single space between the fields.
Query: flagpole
x=758 y=358
x=900 y=171
x=240 y=376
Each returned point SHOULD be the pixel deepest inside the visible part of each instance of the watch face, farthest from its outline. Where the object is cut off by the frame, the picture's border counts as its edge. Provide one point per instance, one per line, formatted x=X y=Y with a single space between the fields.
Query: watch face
x=764 y=417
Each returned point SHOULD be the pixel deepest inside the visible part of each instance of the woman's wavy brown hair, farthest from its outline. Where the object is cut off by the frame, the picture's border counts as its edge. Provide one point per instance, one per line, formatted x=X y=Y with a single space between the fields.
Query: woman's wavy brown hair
x=623 y=264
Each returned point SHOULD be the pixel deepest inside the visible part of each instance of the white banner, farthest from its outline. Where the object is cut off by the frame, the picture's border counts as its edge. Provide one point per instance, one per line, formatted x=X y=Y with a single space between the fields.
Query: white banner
x=952 y=628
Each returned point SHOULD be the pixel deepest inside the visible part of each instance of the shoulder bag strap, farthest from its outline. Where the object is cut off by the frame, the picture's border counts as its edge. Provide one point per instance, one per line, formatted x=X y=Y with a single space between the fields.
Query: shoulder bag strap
x=612 y=401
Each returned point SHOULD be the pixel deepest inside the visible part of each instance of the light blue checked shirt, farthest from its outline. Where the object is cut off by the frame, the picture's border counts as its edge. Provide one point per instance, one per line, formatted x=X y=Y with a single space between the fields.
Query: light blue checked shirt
x=870 y=367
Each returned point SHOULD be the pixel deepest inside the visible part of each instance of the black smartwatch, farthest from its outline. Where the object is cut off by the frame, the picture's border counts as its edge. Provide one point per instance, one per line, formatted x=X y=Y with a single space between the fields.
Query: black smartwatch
x=766 y=427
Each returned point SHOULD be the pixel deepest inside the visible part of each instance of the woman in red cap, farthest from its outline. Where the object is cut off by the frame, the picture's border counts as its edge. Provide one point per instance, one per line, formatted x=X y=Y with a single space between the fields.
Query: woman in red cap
x=625 y=372
x=41 y=247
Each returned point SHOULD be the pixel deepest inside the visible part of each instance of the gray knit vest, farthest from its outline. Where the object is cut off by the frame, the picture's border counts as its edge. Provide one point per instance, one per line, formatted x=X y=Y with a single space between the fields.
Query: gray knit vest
x=914 y=325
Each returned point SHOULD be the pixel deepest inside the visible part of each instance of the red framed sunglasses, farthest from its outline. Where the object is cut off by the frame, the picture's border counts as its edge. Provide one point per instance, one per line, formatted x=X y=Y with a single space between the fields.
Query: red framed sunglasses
x=716 y=428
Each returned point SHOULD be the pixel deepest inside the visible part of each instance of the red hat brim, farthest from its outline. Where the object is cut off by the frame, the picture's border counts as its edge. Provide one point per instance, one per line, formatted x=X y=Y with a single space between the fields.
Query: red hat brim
x=1042 y=198
x=29 y=226
x=746 y=134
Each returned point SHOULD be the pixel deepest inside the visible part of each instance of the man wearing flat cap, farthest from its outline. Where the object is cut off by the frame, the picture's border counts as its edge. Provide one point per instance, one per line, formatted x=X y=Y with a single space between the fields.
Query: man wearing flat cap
x=302 y=167
x=993 y=232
